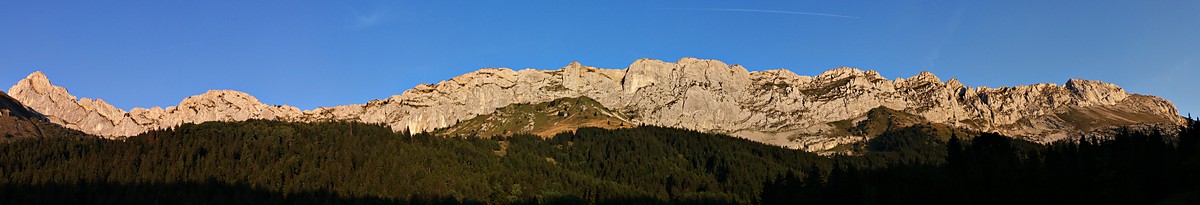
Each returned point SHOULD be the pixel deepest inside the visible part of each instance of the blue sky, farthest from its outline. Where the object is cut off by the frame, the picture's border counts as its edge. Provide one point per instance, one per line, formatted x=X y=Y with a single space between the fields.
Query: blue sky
x=310 y=54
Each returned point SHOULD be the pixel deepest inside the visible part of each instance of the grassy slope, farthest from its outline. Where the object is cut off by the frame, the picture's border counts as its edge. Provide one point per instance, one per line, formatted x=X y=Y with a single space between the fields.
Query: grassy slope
x=881 y=120
x=542 y=119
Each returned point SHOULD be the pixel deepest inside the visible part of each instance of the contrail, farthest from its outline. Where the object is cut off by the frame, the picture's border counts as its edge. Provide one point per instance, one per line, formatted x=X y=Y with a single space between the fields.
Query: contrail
x=766 y=11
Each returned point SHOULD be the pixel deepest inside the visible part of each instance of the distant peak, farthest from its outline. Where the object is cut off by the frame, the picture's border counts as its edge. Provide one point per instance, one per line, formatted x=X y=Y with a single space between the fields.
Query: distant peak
x=845 y=69
x=840 y=72
x=1080 y=81
x=925 y=76
x=781 y=72
x=235 y=98
x=1082 y=85
x=225 y=92
x=37 y=75
x=874 y=74
x=953 y=82
x=646 y=60
x=38 y=79
x=221 y=94
x=686 y=60
x=35 y=82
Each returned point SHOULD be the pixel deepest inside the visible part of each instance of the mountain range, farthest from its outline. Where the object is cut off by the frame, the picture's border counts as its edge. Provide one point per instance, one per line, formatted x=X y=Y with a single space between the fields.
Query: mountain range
x=778 y=107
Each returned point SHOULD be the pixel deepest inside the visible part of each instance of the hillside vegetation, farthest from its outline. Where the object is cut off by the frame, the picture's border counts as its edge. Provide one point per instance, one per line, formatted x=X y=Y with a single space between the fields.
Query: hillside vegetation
x=257 y=162
x=542 y=119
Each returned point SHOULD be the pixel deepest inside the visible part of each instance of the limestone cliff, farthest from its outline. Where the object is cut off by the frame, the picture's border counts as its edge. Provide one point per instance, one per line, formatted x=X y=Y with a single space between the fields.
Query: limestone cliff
x=100 y=118
x=772 y=106
x=19 y=121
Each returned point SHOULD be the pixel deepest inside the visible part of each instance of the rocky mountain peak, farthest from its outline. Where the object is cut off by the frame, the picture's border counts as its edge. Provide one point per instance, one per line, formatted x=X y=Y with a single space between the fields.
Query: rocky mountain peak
x=925 y=76
x=782 y=73
x=14 y=108
x=212 y=97
x=772 y=106
x=100 y=118
x=840 y=73
x=60 y=107
x=953 y=82
x=19 y=121
x=36 y=81
x=686 y=67
x=1095 y=92
x=872 y=74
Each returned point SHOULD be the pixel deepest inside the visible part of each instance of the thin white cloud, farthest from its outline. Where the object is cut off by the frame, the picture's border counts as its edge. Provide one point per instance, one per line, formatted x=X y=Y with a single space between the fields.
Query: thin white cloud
x=956 y=19
x=934 y=54
x=1177 y=71
x=362 y=21
x=765 y=11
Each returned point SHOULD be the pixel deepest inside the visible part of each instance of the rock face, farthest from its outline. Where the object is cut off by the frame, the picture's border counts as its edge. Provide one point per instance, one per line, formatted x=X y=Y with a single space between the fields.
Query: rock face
x=99 y=118
x=12 y=107
x=18 y=121
x=772 y=106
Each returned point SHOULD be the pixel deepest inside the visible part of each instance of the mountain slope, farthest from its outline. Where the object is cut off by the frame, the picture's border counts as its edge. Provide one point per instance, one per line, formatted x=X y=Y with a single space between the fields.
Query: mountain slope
x=767 y=106
x=773 y=106
x=18 y=121
x=542 y=119
x=845 y=136
x=15 y=120
x=356 y=159
x=100 y=118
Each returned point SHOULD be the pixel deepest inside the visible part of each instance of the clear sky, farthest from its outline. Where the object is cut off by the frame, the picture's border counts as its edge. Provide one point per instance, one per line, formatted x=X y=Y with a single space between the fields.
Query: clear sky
x=310 y=54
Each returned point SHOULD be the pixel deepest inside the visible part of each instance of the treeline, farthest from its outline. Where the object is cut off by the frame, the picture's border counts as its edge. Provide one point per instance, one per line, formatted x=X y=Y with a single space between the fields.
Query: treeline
x=270 y=162
x=352 y=161
x=1132 y=168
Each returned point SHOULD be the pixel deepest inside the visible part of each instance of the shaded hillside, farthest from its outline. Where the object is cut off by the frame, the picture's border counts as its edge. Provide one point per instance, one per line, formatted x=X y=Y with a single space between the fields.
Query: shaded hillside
x=17 y=121
x=542 y=119
x=878 y=122
x=205 y=192
x=645 y=164
x=281 y=163
x=1096 y=118
x=12 y=107
x=1131 y=168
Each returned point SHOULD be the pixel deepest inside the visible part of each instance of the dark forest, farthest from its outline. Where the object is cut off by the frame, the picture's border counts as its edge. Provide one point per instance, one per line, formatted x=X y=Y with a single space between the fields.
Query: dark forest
x=271 y=162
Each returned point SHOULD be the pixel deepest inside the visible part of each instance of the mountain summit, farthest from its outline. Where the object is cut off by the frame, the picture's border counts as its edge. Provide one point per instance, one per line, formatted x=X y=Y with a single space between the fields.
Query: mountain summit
x=100 y=118
x=773 y=106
